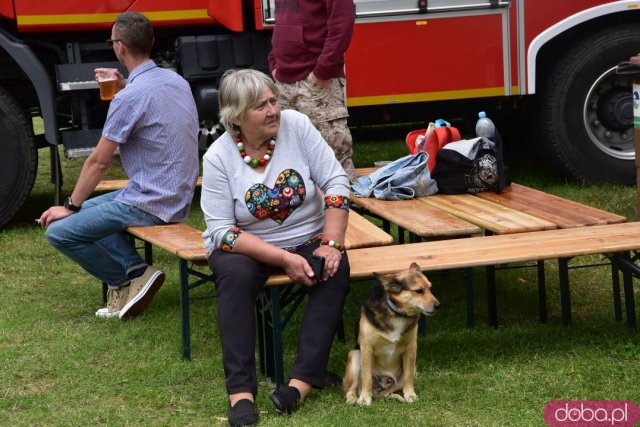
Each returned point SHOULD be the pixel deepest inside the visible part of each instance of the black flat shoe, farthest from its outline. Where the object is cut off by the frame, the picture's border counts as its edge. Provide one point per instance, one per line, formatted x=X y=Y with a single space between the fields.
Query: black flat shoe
x=243 y=413
x=286 y=399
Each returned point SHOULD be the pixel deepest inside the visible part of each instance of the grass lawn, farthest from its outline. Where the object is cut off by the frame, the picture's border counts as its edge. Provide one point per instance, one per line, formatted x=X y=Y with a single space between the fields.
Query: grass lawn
x=61 y=366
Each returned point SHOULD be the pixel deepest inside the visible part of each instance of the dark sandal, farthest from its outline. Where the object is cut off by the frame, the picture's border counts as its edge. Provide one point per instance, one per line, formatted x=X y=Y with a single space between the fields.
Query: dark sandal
x=286 y=399
x=243 y=413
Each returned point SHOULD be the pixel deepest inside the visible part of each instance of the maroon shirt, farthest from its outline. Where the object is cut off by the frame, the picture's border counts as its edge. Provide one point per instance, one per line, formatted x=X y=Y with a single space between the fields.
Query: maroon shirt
x=311 y=36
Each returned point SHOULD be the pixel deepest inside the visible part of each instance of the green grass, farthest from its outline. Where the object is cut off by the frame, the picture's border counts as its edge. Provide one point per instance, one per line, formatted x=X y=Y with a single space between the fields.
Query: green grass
x=60 y=366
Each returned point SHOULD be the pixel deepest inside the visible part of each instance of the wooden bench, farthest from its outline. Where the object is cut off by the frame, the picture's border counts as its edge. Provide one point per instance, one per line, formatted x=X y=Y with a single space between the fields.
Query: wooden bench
x=186 y=242
x=614 y=241
x=118 y=184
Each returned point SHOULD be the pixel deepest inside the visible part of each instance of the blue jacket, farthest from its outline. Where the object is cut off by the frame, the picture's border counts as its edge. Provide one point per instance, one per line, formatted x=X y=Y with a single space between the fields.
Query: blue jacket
x=405 y=178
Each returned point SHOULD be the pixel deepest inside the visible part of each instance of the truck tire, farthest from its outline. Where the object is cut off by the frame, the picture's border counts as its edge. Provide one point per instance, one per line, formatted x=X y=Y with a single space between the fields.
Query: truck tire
x=586 y=126
x=18 y=157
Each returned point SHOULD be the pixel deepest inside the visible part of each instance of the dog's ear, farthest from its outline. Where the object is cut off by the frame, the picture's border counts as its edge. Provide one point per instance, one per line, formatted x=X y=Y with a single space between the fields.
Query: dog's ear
x=388 y=281
x=393 y=285
x=415 y=267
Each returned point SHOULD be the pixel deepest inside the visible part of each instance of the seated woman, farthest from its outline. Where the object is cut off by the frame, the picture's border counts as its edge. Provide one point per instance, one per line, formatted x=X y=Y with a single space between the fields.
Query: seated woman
x=272 y=188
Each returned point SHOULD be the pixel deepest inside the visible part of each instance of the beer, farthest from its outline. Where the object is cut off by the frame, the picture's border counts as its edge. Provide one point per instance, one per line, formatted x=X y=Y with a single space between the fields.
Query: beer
x=107 y=89
x=107 y=80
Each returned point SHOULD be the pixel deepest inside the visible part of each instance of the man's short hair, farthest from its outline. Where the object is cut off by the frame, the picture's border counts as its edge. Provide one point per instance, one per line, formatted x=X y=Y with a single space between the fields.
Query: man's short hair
x=135 y=31
x=239 y=90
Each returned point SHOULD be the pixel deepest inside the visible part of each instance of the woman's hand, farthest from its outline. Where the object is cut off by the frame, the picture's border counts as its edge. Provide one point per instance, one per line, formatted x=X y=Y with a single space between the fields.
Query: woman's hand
x=332 y=257
x=298 y=269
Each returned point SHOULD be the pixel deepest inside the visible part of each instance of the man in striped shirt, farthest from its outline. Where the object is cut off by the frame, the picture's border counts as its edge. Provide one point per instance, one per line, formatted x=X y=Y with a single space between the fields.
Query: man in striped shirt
x=153 y=120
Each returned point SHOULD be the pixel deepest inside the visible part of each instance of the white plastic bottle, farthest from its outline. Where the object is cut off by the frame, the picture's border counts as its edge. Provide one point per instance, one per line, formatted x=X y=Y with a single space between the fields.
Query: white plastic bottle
x=485 y=127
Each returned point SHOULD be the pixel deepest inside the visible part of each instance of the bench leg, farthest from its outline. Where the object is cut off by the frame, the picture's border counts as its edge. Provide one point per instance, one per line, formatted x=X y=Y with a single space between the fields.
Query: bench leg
x=400 y=235
x=492 y=304
x=469 y=277
x=565 y=294
x=628 y=271
x=265 y=345
x=270 y=335
x=148 y=253
x=542 y=292
x=615 y=281
x=414 y=238
x=340 y=332
x=276 y=336
x=105 y=288
x=386 y=226
x=184 y=310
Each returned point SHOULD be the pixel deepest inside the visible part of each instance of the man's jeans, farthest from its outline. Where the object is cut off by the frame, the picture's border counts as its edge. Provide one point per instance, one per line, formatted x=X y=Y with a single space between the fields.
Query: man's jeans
x=95 y=238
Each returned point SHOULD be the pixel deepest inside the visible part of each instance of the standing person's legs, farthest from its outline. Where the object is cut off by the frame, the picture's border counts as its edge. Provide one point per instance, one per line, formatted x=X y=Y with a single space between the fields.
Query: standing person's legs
x=338 y=136
x=94 y=237
x=327 y=110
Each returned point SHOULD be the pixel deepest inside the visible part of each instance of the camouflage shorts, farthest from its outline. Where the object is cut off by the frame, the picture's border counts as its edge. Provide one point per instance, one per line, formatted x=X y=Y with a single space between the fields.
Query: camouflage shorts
x=327 y=110
x=321 y=105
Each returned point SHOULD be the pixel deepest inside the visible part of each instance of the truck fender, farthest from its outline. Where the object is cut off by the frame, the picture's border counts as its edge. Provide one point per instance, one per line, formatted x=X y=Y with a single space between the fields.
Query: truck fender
x=564 y=25
x=33 y=68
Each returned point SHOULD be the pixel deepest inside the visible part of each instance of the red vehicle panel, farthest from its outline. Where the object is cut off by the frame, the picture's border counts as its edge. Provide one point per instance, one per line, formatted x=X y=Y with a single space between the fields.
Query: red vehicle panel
x=423 y=60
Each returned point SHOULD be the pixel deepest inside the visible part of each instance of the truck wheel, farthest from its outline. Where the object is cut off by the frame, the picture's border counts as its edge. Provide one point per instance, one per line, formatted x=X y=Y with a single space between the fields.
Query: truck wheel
x=586 y=131
x=18 y=157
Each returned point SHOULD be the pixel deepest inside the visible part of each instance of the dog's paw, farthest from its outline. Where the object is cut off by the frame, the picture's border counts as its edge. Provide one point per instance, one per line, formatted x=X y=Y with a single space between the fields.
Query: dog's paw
x=351 y=398
x=410 y=397
x=396 y=396
x=364 y=400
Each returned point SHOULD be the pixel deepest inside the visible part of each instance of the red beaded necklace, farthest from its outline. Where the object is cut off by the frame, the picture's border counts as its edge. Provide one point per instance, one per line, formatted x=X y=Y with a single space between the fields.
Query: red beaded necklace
x=254 y=163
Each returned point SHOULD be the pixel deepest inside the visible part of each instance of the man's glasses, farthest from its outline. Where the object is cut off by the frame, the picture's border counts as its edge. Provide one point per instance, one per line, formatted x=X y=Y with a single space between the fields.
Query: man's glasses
x=112 y=41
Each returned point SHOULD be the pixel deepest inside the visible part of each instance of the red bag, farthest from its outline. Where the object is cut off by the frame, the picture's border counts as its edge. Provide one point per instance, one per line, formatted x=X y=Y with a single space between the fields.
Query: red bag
x=437 y=139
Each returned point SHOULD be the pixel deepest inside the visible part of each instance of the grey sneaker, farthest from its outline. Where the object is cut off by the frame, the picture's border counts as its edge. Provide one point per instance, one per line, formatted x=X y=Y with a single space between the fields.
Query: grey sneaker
x=141 y=292
x=116 y=299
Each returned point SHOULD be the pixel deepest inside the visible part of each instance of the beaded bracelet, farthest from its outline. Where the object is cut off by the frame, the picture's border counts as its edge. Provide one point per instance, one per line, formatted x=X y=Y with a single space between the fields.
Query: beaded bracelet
x=333 y=244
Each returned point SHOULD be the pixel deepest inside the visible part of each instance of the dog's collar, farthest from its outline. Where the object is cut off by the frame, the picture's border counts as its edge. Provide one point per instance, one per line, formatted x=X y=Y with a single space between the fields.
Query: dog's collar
x=394 y=308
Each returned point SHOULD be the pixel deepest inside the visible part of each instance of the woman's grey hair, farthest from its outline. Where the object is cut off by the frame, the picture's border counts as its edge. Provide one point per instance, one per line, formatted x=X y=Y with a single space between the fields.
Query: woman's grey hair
x=239 y=90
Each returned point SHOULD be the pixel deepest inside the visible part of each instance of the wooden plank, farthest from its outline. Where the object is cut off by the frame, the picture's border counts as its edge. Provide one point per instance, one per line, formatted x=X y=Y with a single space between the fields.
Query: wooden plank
x=119 y=184
x=365 y=171
x=417 y=218
x=186 y=241
x=488 y=215
x=174 y=238
x=363 y=233
x=492 y=250
x=562 y=212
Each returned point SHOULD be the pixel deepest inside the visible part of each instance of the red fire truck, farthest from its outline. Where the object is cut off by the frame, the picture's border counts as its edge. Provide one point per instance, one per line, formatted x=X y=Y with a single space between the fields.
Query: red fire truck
x=433 y=58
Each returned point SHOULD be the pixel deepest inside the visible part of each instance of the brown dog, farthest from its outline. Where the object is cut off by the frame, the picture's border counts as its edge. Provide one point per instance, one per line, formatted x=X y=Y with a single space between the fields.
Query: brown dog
x=385 y=362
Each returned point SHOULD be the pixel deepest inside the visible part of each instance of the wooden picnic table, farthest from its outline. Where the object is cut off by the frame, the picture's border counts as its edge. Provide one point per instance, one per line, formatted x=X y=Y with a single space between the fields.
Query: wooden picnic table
x=492 y=217
x=517 y=209
x=418 y=218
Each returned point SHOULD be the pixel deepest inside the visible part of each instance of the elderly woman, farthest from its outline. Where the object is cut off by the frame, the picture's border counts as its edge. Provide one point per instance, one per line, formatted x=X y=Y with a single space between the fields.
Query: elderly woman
x=272 y=188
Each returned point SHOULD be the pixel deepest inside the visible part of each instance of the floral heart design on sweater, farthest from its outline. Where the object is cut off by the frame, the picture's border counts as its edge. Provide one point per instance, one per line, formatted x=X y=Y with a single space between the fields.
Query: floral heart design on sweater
x=279 y=202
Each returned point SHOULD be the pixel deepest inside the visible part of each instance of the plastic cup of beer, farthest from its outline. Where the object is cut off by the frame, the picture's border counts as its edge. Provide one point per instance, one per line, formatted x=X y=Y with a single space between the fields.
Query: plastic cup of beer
x=107 y=80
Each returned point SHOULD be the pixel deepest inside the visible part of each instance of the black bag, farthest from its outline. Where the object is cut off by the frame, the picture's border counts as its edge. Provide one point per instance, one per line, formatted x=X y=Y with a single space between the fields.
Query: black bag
x=484 y=170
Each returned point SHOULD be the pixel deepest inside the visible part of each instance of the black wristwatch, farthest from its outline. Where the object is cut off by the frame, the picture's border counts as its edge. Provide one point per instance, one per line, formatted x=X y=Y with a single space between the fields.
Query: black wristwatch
x=69 y=205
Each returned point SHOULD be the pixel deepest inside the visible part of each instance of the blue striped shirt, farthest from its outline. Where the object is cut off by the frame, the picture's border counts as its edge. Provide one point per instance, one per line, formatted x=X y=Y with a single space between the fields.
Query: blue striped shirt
x=155 y=123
